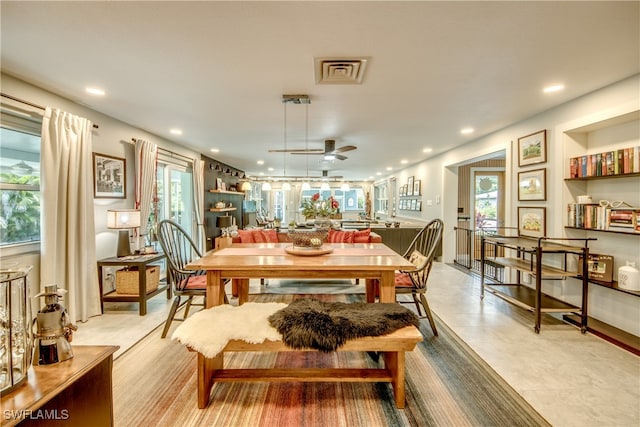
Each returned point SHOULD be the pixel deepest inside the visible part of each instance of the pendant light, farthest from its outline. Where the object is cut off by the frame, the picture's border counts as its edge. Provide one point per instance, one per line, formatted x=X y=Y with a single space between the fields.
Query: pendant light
x=305 y=185
x=344 y=187
x=285 y=186
x=266 y=186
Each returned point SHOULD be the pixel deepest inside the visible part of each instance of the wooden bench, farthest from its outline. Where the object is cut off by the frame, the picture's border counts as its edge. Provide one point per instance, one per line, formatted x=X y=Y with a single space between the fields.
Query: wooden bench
x=392 y=347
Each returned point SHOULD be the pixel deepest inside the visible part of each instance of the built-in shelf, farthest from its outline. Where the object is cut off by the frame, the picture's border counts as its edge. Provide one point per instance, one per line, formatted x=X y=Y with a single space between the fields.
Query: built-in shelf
x=591 y=178
x=612 y=285
x=632 y=233
x=237 y=193
x=222 y=209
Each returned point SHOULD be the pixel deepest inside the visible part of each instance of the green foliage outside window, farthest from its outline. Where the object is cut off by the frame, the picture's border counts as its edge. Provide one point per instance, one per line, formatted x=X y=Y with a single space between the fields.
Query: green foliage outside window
x=19 y=209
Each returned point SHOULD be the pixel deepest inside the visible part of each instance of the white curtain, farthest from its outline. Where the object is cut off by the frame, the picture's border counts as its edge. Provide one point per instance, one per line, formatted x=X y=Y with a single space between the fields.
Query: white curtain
x=198 y=203
x=145 y=164
x=68 y=257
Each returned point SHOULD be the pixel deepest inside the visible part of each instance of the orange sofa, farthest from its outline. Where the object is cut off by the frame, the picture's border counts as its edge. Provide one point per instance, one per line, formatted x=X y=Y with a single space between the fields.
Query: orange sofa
x=257 y=235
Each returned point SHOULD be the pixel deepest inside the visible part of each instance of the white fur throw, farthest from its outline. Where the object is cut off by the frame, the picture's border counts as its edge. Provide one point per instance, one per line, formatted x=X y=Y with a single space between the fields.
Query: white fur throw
x=208 y=331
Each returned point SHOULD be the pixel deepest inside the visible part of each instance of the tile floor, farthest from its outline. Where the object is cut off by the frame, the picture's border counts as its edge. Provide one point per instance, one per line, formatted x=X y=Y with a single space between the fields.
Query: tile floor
x=570 y=378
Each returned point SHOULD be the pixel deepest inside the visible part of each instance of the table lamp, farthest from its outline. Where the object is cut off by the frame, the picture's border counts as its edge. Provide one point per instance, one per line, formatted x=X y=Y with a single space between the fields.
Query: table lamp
x=123 y=220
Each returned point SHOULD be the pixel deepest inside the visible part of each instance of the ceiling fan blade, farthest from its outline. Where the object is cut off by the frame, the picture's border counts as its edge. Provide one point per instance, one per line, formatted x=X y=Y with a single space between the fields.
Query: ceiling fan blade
x=340 y=157
x=345 y=149
x=297 y=151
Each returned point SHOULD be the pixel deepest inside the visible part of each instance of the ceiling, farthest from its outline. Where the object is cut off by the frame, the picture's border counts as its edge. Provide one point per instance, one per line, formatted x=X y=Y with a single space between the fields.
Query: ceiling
x=218 y=70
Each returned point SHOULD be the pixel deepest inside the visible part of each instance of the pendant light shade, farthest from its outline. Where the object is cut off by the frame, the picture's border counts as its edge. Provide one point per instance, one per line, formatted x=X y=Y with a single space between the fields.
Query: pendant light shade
x=344 y=186
x=306 y=186
x=286 y=186
x=246 y=186
x=266 y=186
x=325 y=186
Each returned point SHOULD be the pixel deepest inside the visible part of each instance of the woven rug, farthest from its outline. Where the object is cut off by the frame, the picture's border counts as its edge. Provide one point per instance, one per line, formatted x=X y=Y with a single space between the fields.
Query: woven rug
x=447 y=384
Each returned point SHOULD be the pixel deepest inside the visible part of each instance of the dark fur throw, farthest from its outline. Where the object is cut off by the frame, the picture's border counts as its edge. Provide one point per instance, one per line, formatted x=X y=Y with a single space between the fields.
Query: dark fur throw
x=325 y=326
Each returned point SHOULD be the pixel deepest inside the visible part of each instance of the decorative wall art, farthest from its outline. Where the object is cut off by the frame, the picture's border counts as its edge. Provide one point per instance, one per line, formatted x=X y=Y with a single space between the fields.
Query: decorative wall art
x=532 y=185
x=532 y=222
x=410 y=186
x=532 y=148
x=109 y=177
x=416 y=187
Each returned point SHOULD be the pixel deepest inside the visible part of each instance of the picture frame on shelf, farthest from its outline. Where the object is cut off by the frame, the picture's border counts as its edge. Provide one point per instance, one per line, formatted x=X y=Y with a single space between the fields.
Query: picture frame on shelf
x=413 y=204
x=402 y=190
x=532 y=185
x=416 y=187
x=223 y=186
x=532 y=149
x=109 y=177
x=401 y=204
x=419 y=205
x=532 y=221
x=219 y=184
x=410 y=186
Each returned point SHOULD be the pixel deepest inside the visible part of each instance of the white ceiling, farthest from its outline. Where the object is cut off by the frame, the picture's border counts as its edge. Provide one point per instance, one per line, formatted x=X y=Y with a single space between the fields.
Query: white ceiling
x=218 y=70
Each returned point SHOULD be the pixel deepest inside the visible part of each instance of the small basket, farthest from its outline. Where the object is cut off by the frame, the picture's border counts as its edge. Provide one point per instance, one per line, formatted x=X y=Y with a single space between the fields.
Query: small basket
x=127 y=280
x=303 y=238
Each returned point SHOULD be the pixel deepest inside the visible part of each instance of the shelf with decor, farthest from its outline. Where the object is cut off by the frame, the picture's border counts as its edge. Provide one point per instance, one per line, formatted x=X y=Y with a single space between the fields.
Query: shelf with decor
x=222 y=209
x=600 y=192
x=235 y=193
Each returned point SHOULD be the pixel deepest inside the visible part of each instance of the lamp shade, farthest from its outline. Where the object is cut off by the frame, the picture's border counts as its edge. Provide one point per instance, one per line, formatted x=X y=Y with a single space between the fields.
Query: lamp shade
x=266 y=186
x=246 y=186
x=224 y=221
x=123 y=218
x=325 y=186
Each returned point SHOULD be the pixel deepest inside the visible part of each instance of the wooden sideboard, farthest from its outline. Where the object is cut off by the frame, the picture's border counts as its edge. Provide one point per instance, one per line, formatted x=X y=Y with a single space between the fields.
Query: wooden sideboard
x=76 y=392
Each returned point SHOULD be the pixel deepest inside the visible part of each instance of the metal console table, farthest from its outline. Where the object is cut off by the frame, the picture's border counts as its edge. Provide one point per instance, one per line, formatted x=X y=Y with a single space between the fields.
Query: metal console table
x=529 y=255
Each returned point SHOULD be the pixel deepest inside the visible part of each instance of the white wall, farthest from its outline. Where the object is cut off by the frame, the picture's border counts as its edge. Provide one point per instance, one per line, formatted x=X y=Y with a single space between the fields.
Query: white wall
x=110 y=138
x=439 y=178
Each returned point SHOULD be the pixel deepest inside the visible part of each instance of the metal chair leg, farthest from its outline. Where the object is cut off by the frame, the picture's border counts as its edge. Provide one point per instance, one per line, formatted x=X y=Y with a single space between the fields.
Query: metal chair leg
x=172 y=313
x=429 y=315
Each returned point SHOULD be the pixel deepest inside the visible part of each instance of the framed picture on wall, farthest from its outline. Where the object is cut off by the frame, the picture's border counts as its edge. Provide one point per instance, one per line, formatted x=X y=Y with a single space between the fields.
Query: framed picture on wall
x=416 y=187
x=532 y=148
x=532 y=222
x=401 y=191
x=413 y=204
x=419 y=205
x=410 y=186
x=532 y=185
x=109 y=177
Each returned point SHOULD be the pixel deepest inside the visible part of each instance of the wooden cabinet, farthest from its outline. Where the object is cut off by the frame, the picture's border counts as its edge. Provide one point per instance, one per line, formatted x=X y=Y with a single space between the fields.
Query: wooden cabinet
x=541 y=259
x=76 y=392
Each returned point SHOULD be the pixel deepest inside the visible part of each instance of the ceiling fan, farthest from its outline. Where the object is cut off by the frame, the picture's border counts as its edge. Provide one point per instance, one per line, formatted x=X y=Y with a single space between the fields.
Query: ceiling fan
x=330 y=151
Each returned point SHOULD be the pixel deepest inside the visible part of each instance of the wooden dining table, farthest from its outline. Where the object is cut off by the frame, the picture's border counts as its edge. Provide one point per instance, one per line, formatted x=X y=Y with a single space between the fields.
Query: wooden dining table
x=374 y=262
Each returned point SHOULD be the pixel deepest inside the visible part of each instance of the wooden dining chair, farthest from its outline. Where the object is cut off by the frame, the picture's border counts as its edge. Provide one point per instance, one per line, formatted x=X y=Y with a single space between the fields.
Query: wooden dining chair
x=180 y=250
x=421 y=252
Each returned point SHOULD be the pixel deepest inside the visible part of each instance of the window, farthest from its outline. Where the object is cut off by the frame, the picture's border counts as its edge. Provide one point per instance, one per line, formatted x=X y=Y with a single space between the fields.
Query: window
x=174 y=187
x=19 y=180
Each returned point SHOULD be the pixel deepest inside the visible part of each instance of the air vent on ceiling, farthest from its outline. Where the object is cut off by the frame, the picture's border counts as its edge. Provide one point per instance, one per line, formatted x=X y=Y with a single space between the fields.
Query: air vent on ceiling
x=340 y=70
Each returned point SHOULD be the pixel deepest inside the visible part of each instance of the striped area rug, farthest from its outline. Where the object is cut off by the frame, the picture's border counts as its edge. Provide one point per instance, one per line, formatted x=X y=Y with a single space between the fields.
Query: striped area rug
x=447 y=385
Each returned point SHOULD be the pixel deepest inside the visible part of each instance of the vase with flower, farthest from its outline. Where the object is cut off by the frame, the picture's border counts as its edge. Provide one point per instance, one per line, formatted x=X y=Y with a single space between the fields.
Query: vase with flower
x=321 y=210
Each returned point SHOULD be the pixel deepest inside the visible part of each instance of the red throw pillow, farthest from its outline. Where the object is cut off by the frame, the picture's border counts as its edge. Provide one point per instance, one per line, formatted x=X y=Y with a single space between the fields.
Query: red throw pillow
x=265 y=236
x=362 y=236
x=246 y=236
x=336 y=236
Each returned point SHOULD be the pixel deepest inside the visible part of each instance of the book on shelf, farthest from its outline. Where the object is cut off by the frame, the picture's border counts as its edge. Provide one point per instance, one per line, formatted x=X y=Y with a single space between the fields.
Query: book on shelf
x=616 y=162
x=622 y=218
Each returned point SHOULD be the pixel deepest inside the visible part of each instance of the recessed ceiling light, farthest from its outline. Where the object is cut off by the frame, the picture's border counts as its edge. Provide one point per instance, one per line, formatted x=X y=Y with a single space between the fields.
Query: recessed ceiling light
x=270 y=169
x=427 y=150
x=215 y=150
x=389 y=168
x=260 y=162
x=95 y=91
x=404 y=161
x=176 y=131
x=554 y=88
x=261 y=173
x=466 y=131
x=371 y=177
x=378 y=173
